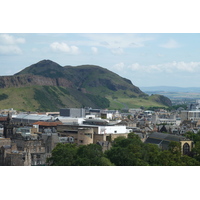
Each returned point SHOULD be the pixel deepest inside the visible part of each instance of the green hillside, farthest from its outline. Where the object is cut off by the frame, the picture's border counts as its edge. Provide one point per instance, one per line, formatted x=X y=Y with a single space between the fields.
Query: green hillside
x=47 y=98
x=47 y=86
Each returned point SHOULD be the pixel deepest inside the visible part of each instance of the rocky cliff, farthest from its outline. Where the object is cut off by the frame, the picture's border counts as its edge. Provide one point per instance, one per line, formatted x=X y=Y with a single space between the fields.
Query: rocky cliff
x=30 y=79
x=86 y=85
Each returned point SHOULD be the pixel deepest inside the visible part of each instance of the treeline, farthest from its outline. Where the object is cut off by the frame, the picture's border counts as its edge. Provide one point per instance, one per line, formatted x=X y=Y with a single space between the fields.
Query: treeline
x=130 y=151
x=169 y=108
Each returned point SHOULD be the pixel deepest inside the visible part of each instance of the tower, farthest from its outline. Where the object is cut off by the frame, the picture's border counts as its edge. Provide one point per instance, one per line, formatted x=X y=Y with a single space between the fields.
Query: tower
x=8 y=128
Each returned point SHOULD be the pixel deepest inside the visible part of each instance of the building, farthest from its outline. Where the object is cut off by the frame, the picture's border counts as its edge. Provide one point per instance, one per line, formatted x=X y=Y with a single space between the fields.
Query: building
x=44 y=125
x=165 y=119
x=72 y=112
x=31 y=118
x=70 y=120
x=163 y=140
x=96 y=132
x=190 y=115
x=26 y=131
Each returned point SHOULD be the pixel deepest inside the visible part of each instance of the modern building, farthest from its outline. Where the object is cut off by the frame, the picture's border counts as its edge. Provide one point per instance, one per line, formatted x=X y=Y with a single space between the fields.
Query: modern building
x=95 y=132
x=31 y=118
x=72 y=112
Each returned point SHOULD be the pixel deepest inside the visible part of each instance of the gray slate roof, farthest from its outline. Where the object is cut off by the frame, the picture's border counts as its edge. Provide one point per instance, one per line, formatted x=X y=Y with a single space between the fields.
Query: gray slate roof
x=166 y=136
x=163 y=139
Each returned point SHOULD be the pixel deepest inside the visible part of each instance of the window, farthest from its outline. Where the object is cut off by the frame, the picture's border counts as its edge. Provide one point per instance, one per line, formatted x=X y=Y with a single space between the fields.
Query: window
x=81 y=141
x=89 y=135
x=38 y=156
x=186 y=148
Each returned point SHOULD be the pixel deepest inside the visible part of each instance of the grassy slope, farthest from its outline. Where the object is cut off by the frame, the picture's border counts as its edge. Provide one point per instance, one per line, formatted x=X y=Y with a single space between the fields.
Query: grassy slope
x=46 y=98
x=51 y=98
x=18 y=98
x=121 y=103
x=41 y=98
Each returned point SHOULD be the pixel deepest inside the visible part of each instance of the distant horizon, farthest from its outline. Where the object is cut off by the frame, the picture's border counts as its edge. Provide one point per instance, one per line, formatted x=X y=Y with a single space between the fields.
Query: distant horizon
x=167 y=86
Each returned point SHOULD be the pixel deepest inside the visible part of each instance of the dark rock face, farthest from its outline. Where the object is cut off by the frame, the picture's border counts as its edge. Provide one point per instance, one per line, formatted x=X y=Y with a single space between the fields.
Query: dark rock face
x=81 y=77
x=164 y=100
x=28 y=80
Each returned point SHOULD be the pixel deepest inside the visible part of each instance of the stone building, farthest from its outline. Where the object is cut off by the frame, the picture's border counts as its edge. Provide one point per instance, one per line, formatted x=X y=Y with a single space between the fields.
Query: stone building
x=89 y=134
x=34 y=146
x=44 y=125
x=10 y=156
x=163 y=140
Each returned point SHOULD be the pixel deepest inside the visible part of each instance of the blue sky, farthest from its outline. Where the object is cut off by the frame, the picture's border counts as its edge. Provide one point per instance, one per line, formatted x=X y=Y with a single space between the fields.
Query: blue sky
x=148 y=59
x=152 y=43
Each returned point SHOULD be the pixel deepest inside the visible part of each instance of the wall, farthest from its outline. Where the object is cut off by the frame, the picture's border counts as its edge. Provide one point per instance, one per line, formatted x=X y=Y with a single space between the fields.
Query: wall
x=72 y=112
x=5 y=141
x=85 y=136
x=112 y=129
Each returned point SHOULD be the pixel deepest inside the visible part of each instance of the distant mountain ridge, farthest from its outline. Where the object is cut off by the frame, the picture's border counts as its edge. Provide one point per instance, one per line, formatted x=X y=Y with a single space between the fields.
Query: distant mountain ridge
x=170 y=89
x=48 y=86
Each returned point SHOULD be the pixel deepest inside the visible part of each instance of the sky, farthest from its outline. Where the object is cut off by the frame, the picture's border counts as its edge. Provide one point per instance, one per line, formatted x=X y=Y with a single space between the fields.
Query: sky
x=147 y=59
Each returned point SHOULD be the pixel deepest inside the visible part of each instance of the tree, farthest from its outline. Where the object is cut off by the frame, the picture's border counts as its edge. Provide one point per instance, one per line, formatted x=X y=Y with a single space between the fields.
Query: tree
x=105 y=162
x=167 y=158
x=196 y=151
x=123 y=157
x=63 y=155
x=88 y=155
x=133 y=136
x=73 y=155
x=127 y=151
x=188 y=161
x=151 y=154
x=175 y=148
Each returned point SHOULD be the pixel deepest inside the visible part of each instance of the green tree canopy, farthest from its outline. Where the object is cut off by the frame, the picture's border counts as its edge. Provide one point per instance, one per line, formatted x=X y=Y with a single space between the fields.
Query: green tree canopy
x=73 y=155
x=63 y=155
x=130 y=151
x=89 y=155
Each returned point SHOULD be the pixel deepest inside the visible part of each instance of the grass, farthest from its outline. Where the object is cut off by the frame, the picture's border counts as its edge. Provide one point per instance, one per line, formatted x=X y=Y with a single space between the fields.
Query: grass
x=52 y=98
x=121 y=103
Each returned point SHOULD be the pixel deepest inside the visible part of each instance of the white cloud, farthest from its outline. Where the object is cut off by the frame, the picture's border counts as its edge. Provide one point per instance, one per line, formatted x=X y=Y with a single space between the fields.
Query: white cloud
x=114 y=40
x=9 y=44
x=10 y=40
x=119 y=66
x=10 y=49
x=173 y=67
x=170 y=44
x=74 y=50
x=117 y=51
x=63 y=47
x=135 y=67
x=94 y=50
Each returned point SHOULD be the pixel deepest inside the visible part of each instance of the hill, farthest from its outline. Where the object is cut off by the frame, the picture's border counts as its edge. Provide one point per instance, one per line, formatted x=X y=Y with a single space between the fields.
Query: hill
x=46 y=86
